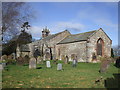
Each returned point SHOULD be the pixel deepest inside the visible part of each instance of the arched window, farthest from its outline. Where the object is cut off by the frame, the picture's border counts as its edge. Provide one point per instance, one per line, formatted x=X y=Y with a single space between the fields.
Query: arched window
x=100 y=47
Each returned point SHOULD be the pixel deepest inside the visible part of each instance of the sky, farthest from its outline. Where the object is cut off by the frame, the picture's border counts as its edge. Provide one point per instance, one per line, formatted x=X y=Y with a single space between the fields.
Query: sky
x=77 y=17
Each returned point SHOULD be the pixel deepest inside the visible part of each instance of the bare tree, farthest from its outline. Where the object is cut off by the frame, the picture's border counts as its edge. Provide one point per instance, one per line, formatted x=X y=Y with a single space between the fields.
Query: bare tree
x=13 y=16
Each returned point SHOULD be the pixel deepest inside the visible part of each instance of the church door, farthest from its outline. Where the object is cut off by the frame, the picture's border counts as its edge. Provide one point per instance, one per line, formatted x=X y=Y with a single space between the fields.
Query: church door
x=100 y=47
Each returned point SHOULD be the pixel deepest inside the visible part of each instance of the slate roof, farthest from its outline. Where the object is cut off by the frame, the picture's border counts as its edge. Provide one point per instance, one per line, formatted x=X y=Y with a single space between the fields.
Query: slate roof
x=52 y=36
x=77 y=37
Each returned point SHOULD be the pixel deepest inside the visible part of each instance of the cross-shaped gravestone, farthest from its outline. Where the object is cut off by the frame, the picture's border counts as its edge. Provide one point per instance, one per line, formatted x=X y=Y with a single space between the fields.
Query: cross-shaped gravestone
x=59 y=66
x=32 y=63
x=48 y=64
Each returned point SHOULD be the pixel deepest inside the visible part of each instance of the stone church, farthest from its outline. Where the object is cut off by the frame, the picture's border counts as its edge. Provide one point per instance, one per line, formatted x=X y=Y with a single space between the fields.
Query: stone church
x=66 y=46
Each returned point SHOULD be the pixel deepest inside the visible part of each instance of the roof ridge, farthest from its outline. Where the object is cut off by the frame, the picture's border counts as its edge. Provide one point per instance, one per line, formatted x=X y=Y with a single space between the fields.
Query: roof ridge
x=77 y=37
x=84 y=32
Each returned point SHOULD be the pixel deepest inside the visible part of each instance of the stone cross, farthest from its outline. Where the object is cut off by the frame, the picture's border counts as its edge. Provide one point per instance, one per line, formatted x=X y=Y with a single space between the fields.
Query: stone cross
x=32 y=63
x=48 y=64
x=59 y=66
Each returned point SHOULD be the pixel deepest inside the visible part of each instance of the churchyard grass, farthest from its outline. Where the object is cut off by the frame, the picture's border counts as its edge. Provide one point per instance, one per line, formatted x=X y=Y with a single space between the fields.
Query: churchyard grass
x=82 y=76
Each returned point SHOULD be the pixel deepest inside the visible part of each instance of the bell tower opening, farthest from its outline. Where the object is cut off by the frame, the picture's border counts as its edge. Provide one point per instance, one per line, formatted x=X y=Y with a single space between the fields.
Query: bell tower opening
x=45 y=32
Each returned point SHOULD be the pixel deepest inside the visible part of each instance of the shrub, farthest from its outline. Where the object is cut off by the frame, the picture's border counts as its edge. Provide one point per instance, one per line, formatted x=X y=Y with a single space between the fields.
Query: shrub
x=3 y=61
x=104 y=58
x=60 y=61
x=11 y=61
x=23 y=60
x=26 y=59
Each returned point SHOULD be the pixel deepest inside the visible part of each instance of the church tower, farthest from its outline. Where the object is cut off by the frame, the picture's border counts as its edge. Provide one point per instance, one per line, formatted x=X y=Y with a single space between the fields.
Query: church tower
x=45 y=32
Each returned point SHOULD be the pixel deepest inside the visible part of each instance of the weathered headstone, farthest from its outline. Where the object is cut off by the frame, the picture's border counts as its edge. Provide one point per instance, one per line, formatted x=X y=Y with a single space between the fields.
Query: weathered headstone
x=20 y=60
x=32 y=63
x=59 y=66
x=1 y=67
x=4 y=57
x=36 y=53
x=10 y=56
x=48 y=56
x=66 y=60
x=13 y=54
x=26 y=59
x=39 y=60
x=104 y=66
x=4 y=65
x=48 y=64
x=74 y=63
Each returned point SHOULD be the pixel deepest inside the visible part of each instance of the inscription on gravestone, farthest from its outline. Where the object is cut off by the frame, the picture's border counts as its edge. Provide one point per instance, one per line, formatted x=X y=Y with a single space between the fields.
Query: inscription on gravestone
x=32 y=63
x=48 y=64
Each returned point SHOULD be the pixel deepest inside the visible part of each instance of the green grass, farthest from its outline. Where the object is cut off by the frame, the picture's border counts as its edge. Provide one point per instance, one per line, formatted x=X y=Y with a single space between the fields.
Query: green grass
x=83 y=76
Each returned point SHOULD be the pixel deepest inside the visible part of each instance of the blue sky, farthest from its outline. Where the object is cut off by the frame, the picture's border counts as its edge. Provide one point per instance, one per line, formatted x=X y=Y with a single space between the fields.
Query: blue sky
x=77 y=17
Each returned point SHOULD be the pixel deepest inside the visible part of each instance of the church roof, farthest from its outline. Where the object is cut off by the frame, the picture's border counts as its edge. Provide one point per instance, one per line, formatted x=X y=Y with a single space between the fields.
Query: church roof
x=52 y=36
x=77 y=37
x=24 y=48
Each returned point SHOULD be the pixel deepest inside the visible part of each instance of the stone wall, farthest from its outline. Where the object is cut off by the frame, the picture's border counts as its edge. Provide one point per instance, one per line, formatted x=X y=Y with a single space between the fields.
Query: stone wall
x=57 y=39
x=77 y=48
x=92 y=44
x=83 y=50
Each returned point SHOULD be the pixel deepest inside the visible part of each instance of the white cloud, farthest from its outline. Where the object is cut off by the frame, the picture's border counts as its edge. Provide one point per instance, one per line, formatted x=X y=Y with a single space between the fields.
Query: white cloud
x=71 y=26
x=107 y=23
x=36 y=31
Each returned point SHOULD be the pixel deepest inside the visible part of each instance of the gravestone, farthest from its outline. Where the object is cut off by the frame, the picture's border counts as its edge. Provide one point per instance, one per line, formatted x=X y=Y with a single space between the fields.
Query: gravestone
x=39 y=60
x=66 y=60
x=74 y=63
x=4 y=57
x=104 y=66
x=48 y=56
x=1 y=67
x=32 y=63
x=13 y=54
x=48 y=64
x=59 y=66
x=20 y=60
x=26 y=59
x=36 y=53
x=10 y=56
x=4 y=65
